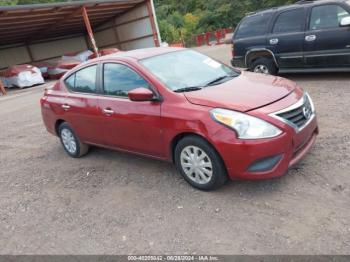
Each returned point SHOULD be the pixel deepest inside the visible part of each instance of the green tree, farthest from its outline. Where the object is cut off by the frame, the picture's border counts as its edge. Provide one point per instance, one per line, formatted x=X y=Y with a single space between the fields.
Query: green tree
x=208 y=15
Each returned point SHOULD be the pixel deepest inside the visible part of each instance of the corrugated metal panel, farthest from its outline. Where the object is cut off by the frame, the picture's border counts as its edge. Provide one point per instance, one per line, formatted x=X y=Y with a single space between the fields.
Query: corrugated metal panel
x=106 y=37
x=134 y=30
x=13 y=56
x=57 y=48
x=135 y=13
x=106 y=25
x=140 y=43
x=25 y=23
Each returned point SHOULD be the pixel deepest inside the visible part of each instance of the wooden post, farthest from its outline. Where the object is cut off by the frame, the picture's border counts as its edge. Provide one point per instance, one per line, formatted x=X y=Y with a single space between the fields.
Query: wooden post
x=89 y=30
x=153 y=25
x=2 y=88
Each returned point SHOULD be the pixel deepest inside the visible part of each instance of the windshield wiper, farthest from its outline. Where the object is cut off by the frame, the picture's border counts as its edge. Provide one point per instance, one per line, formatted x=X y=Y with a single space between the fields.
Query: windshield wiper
x=220 y=78
x=188 y=89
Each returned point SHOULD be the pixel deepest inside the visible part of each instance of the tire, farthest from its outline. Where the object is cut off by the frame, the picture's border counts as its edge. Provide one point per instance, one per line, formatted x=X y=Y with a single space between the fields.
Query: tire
x=66 y=134
x=214 y=176
x=263 y=65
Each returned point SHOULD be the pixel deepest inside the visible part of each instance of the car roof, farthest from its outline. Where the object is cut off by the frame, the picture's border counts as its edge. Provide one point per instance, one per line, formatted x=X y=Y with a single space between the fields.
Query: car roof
x=143 y=53
x=297 y=4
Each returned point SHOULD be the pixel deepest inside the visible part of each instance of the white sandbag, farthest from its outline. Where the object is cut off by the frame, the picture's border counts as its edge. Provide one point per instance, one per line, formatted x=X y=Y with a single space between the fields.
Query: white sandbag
x=81 y=56
x=22 y=76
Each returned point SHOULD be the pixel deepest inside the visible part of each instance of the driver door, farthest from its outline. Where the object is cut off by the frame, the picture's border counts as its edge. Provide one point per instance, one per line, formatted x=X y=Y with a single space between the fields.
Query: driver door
x=128 y=125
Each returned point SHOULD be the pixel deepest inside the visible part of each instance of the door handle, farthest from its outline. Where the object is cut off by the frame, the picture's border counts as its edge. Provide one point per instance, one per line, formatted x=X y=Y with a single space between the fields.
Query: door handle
x=274 y=41
x=310 y=38
x=65 y=107
x=108 y=111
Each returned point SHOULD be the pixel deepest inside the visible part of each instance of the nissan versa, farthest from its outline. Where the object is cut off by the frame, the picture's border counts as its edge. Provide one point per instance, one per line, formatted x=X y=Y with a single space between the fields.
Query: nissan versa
x=212 y=121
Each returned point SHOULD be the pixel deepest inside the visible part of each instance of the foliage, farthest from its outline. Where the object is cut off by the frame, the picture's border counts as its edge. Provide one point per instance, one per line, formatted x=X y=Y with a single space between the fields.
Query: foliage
x=181 y=19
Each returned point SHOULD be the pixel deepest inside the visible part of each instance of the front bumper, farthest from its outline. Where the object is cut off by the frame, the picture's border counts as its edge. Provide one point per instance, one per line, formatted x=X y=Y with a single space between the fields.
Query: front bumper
x=279 y=153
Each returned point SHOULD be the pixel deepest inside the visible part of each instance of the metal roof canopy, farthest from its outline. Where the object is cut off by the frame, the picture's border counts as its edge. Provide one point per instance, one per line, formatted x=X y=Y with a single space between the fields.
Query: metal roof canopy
x=31 y=23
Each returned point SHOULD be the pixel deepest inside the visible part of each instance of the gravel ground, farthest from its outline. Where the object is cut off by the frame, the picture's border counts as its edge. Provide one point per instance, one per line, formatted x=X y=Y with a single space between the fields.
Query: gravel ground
x=115 y=203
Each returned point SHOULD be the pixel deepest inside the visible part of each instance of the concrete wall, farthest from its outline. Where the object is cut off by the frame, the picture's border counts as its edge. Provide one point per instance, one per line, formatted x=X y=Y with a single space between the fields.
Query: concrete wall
x=40 y=51
x=14 y=55
x=57 y=48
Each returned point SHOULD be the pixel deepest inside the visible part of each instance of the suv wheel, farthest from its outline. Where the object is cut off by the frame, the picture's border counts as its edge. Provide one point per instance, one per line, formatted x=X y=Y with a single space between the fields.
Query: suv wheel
x=70 y=141
x=263 y=65
x=199 y=163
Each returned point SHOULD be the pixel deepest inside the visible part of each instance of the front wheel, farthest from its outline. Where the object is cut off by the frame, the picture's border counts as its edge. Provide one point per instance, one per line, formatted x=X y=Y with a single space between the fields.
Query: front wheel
x=199 y=163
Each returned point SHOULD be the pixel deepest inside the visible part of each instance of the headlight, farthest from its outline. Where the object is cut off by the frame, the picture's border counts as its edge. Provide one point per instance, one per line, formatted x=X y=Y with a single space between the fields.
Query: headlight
x=246 y=126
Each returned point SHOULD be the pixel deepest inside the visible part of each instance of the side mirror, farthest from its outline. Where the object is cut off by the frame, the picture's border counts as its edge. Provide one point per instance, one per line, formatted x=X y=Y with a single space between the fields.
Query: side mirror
x=345 y=21
x=141 y=94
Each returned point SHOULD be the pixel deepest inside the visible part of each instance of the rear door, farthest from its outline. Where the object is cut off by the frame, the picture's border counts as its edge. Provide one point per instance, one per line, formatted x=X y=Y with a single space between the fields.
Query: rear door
x=129 y=125
x=251 y=34
x=287 y=38
x=80 y=105
x=326 y=43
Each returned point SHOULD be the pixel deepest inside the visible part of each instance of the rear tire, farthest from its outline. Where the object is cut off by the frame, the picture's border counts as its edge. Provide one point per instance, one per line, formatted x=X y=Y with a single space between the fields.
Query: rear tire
x=70 y=142
x=199 y=163
x=263 y=65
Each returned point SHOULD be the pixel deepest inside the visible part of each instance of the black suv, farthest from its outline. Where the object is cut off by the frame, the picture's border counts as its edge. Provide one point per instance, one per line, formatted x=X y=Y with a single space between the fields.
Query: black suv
x=309 y=36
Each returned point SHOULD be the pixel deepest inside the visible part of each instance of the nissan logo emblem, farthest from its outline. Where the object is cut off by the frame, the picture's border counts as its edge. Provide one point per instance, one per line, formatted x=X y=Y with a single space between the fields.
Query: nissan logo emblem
x=307 y=112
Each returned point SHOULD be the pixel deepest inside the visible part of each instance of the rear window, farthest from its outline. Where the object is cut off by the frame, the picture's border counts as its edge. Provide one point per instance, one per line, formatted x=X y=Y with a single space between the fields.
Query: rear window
x=255 y=25
x=83 y=81
x=290 y=21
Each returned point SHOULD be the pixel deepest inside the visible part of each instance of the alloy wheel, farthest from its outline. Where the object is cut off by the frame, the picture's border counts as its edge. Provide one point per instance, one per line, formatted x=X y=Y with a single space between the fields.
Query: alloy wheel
x=262 y=69
x=69 y=141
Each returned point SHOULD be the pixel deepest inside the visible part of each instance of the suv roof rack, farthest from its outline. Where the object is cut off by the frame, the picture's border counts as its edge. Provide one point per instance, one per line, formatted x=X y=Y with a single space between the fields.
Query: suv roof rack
x=300 y=2
x=305 y=1
x=262 y=10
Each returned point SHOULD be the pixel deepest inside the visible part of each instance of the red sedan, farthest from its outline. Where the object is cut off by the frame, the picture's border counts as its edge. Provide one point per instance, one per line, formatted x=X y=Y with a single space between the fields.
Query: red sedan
x=174 y=104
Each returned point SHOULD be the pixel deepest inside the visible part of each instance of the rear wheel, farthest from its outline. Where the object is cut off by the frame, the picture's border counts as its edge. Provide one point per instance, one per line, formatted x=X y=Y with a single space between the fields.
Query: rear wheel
x=263 y=65
x=199 y=163
x=71 y=143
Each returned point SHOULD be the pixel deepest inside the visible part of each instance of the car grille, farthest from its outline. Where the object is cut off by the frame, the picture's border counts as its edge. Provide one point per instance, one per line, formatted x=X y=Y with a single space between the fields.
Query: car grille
x=298 y=115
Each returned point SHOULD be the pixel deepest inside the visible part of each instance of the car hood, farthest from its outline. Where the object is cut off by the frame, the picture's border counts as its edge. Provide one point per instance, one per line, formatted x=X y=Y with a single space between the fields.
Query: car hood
x=246 y=92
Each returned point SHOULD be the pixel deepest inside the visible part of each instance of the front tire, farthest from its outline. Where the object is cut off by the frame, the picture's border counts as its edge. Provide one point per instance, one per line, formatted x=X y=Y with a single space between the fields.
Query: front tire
x=199 y=163
x=70 y=142
x=263 y=65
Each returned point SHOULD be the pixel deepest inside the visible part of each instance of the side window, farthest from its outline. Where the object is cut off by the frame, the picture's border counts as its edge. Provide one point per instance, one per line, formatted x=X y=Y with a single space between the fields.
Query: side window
x=290 y=21
x=83 y=81
x=70 y=82
x=119 y=79
x=326 y=16
x=255 y=25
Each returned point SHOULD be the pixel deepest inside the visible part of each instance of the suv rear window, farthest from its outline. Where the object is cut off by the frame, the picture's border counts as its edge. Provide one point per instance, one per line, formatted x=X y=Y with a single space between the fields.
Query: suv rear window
x=255 y=25
x=290 y=21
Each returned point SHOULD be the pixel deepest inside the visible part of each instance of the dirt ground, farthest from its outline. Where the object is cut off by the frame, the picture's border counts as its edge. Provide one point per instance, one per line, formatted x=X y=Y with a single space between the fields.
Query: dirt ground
x=115 y=203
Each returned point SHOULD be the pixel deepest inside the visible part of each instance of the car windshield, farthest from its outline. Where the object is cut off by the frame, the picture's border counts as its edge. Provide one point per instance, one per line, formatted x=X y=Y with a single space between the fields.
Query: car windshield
x=188 y=70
